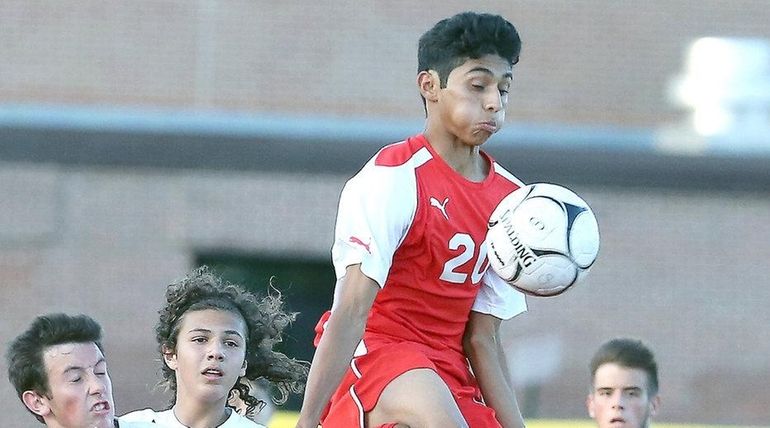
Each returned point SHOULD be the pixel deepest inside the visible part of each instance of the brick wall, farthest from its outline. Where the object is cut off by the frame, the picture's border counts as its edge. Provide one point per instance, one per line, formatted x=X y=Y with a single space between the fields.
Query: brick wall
x=583 y=61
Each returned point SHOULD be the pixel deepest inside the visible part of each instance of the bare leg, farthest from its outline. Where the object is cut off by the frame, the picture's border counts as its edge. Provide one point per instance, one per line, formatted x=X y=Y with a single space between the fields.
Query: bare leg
x=418 y=398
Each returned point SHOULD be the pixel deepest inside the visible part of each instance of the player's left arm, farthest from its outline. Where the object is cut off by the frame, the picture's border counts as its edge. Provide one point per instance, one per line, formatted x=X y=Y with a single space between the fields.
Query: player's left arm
x=484 y=351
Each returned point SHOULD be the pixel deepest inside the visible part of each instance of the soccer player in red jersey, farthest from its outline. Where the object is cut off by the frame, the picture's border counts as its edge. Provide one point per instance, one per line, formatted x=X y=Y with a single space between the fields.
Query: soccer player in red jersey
x=410 y=257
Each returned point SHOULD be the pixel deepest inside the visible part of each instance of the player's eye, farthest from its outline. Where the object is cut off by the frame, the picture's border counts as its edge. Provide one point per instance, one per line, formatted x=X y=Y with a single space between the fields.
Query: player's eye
x=199 y=339
x=232 y=343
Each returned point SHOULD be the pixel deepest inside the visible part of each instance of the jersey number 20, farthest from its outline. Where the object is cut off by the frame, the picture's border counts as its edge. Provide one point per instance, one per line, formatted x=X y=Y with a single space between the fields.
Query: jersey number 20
x=453 y=271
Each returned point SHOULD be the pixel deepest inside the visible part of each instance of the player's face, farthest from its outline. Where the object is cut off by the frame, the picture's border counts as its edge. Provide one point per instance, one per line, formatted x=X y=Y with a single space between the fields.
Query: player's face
x=210 y=355
x=80 y=390
x=472 y=105
x=619 y=398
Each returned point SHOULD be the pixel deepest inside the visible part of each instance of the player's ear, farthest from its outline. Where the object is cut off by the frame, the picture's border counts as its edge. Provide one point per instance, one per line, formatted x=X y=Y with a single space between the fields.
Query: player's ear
x=243 y=368
x=654 y=405
x=36 y=403
x=169 y=357
x=429 y=84
x=590 y=405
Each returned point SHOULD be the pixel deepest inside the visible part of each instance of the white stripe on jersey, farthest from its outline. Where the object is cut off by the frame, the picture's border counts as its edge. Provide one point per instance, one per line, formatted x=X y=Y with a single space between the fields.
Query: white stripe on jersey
x=497 y=168
x=360 y=406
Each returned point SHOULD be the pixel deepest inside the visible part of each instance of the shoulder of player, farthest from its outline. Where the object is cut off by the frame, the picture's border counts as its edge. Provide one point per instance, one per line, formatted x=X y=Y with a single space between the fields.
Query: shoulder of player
x=399 y=154
x=237 y=420
x=134 y=424
x=145 y=415
x=391 y=168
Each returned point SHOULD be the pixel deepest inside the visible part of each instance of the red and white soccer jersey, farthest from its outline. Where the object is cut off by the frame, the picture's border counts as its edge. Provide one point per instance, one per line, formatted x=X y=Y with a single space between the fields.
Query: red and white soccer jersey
x=417 y=228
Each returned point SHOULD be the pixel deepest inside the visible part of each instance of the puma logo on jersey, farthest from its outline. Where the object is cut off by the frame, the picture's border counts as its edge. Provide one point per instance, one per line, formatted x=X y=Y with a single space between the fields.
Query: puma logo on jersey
x=441 y=207
x=357 y=240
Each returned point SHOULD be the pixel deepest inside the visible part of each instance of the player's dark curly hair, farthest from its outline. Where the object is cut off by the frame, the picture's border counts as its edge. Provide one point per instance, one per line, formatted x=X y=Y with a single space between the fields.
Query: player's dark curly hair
x=265 y=320
x=467 y=35
x=24 y=357
x=630 y=353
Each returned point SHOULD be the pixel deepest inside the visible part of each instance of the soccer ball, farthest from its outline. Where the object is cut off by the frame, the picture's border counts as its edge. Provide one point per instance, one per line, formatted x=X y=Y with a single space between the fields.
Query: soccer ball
x=542 y=239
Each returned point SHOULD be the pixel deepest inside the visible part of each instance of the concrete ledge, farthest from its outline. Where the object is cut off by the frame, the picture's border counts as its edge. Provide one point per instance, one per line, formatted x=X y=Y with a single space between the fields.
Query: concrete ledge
x=234 y=141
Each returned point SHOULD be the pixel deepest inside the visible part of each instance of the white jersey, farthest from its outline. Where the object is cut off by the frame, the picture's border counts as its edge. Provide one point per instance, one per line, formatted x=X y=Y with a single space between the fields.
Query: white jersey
x=125 y=424
x=166 y=419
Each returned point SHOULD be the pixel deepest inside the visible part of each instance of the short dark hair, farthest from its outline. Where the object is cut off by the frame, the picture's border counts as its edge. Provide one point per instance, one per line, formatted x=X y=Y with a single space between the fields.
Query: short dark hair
x=26 y=366
x=630 y=353
x=265 y=321
x=467 y=35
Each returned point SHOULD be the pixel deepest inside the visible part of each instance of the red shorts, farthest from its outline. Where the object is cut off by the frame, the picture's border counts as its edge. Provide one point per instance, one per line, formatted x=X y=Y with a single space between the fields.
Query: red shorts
x=369 y=374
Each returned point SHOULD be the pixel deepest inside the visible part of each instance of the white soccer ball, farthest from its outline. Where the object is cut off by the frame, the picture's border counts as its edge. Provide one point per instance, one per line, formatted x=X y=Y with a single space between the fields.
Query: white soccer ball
x=542 y=239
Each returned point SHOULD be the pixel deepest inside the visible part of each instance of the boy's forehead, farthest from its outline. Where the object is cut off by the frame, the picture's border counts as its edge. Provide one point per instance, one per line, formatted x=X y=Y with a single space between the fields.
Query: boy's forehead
x=494 y=64
x=612 y=375
x=61 y=356
x=214 y=320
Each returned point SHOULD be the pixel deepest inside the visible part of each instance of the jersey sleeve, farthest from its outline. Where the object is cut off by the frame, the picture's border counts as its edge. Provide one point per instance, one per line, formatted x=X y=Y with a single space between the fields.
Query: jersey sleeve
x=375 y=211
x=497 y=298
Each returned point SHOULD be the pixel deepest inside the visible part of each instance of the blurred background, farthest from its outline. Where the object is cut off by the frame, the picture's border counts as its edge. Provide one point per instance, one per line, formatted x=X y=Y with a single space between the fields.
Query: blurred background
x=141 y=139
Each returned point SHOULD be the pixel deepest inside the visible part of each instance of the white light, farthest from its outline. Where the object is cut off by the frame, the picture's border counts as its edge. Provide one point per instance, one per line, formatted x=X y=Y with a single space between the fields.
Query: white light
x=726 y=81
x=710 y=121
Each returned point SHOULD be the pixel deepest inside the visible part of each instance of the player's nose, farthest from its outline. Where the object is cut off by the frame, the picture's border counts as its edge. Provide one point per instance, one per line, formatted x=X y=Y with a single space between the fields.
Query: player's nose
x=215 y=352
x=618 y=401
x=97 y=385
x=494 y=101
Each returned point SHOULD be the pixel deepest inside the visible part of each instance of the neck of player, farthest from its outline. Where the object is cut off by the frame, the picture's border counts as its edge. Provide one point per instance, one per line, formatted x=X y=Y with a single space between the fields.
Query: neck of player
x=464 y=158
x=195 y=414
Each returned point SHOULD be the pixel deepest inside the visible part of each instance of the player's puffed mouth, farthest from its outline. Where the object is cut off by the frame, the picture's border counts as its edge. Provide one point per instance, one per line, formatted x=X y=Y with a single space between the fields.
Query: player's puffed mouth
x=489 y=126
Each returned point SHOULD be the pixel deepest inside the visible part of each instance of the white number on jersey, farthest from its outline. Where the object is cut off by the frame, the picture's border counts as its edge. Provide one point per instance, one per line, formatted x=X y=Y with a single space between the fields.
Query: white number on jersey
x=451 y=273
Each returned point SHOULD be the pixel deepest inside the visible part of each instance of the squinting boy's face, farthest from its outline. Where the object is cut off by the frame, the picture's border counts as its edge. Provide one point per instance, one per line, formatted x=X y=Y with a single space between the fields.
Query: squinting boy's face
x=80 y=390
x=210 y=355
x=620 y=398
x=472 y=105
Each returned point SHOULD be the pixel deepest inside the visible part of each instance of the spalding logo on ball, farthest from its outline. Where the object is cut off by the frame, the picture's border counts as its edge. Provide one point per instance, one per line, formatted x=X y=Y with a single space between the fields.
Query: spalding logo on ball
x=542 y=239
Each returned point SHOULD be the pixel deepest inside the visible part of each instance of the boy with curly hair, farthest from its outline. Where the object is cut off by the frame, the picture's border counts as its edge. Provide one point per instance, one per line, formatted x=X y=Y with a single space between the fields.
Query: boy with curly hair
x=213 y=337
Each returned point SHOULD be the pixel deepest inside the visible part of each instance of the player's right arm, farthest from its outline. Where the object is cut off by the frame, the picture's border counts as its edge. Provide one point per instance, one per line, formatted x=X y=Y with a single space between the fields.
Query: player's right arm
x=335 y=350
x=375 y=210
